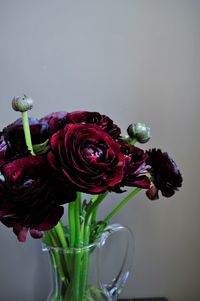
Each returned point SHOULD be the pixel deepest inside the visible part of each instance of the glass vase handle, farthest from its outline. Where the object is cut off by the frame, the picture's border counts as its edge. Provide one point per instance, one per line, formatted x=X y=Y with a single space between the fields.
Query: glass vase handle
x=115 y=286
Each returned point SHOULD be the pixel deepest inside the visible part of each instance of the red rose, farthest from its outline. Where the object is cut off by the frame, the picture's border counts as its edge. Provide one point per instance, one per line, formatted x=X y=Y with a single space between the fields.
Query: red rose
x=87 y=157
x=31 y=197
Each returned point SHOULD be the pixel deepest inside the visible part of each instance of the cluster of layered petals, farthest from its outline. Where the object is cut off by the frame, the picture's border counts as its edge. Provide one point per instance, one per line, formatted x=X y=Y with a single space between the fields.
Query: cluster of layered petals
x=87 y=157
x=165 y=174
x=103 y=121
x=30 y=197
x=12 y=140
x=135 y=170
x=86 y=153
x=58 y=120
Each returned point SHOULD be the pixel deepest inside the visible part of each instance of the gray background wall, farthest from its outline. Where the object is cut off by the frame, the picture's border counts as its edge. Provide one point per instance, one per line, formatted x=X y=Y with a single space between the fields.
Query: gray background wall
x=134 y=60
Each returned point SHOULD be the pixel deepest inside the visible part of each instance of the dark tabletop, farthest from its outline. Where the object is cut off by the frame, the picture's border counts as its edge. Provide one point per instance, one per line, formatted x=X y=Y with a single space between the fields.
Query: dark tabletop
x=145 y=299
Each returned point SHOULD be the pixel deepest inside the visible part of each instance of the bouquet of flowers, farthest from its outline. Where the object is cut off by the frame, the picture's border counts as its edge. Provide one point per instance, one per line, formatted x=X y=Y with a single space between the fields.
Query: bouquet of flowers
x=48 y=162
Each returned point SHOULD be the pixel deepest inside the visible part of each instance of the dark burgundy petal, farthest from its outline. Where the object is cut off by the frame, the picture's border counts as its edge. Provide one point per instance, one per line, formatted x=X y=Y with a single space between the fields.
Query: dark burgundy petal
x=36 y=233
x=30 y=166
x=152 y=193
x=4 y=212
x=139 y=181
x=55 y=120
x=21 y=232
x=58 y=136
x=84 y=117
x=52 y=160
x=52 y=219
x=167 y=192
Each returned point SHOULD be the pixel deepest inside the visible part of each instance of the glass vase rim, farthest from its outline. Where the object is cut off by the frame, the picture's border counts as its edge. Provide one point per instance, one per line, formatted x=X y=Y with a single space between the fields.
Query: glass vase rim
x=46 y=247
x=97 y=242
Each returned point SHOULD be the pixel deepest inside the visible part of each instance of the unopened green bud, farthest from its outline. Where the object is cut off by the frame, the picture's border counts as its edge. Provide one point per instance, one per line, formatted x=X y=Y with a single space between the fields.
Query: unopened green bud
x=22 y=104
x=139 y=131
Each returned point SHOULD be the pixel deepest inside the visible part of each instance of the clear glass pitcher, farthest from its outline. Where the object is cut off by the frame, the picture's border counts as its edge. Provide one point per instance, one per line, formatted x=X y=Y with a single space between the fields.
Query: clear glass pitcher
x=96 y=272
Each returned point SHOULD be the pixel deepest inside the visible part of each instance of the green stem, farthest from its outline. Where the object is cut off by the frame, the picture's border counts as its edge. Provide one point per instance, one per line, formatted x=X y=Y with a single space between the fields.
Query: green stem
x=96 y=200
x=85 y=257
x=61 y=242
x=94 y=215
x=61 y=235
x=27 y=132
x=72 y=229
x=78 y=253
x=87 y=231
x=90 y=215
x=121 y=204
x=133 y=141
x=77 y=214
x=57 y=262
x=129 y=140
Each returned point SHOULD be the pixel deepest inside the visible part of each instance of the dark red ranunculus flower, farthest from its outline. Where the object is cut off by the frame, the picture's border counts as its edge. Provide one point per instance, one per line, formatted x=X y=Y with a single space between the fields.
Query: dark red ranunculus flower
x=55 y=121
x=31 y=198
x=135 y=168
x=13 y=137
x=87 y=156
x=165 y=174
x=102 y=121
x=58 y=120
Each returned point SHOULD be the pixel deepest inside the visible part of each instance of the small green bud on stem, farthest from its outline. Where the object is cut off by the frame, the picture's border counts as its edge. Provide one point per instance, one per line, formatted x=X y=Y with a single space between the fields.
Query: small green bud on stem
x=139 y=131
x=22 y=104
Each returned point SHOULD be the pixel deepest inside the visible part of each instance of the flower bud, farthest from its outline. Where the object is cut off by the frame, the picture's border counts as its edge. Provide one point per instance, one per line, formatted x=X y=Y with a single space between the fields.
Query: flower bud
x=22 y=104
x=139 y=131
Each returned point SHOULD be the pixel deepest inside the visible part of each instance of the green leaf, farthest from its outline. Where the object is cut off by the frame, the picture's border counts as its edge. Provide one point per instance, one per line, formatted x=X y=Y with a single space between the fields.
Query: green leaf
x=42 y=148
